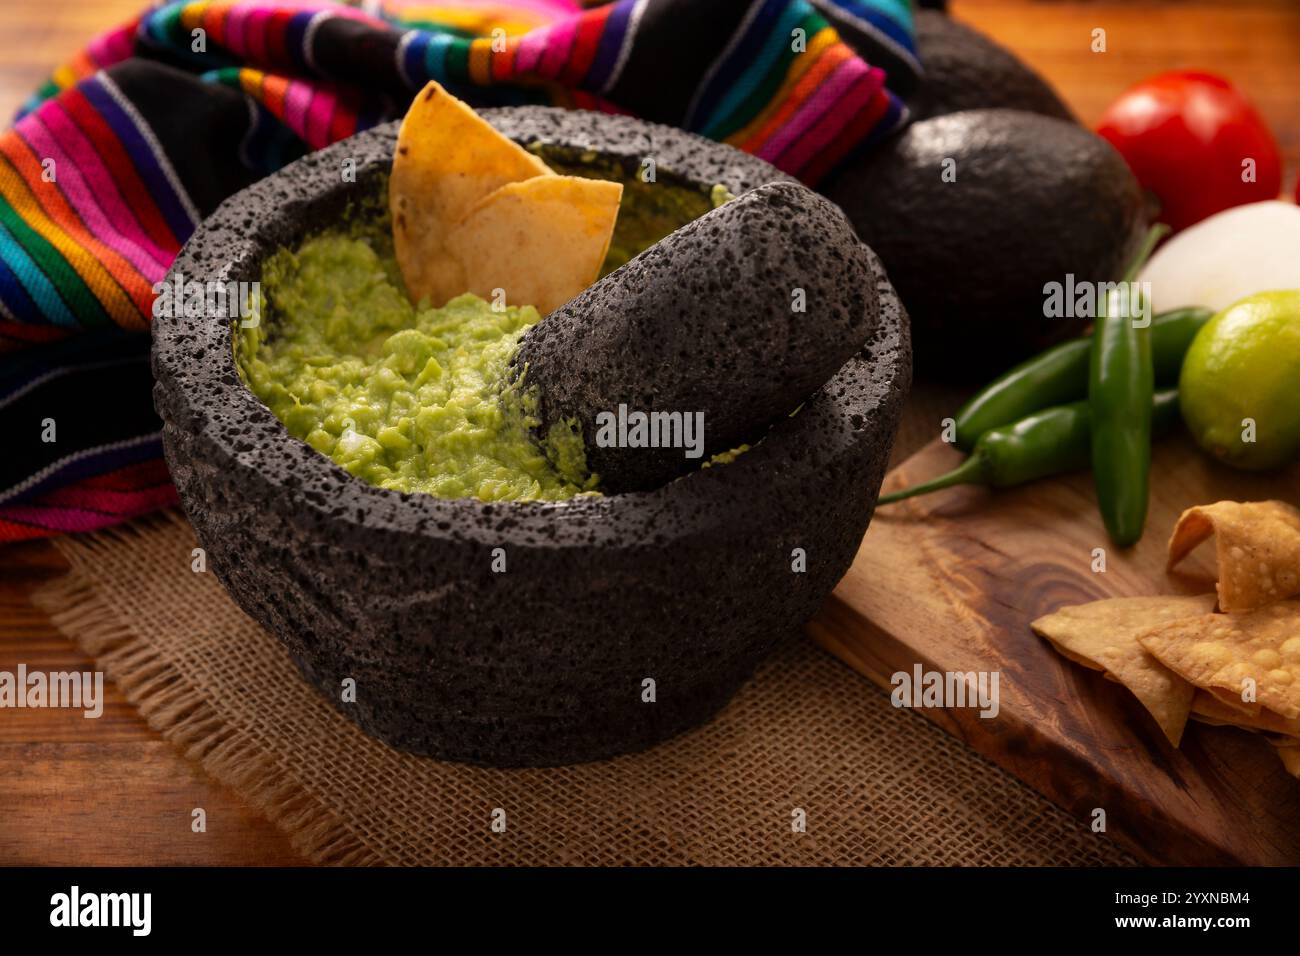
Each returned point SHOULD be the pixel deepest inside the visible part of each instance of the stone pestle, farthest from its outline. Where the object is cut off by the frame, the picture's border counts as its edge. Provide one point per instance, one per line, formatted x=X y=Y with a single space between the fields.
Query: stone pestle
x=722 y=328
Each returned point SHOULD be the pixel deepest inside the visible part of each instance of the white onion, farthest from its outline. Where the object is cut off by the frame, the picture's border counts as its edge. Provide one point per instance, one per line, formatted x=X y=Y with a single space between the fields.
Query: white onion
x=1223 y=259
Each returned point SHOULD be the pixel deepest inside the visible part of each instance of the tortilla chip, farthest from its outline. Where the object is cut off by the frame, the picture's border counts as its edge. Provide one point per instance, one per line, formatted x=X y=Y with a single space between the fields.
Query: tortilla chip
x=1104 y=635
x=448 y=159
x=542 y=240
x=1210 y=709
x=1258 y=547
x=1291 y=760
x=1218 y=652
x=1231 y=700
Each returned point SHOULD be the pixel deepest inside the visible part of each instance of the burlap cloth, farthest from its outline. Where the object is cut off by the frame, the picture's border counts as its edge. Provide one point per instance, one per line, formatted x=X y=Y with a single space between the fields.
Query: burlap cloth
x=878 y=785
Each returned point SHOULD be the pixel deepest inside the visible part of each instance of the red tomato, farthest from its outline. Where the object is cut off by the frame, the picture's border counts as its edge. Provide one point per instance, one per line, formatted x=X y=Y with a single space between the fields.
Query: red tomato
x=1187 y=137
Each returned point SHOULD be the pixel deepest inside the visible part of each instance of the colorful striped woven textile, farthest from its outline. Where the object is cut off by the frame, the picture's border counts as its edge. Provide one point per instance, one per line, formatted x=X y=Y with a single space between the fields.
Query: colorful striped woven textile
x=119 y=156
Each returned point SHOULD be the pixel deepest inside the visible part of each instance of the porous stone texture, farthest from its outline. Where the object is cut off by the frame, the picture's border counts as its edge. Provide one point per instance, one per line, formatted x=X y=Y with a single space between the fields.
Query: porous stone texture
x=742 y=316
x=688 y=585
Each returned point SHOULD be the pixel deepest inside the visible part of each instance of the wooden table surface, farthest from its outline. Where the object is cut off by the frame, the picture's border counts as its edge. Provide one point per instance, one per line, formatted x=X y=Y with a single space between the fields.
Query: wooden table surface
x=111 y=791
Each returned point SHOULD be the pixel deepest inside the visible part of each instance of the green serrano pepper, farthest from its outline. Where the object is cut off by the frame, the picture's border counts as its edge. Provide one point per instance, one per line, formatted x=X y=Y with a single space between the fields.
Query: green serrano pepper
x=1060 y=375
x=1049 y=442
x=1121 y=382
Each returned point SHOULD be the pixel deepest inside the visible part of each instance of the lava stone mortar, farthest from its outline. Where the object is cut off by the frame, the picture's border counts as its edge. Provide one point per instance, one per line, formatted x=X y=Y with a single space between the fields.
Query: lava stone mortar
x=688 y=585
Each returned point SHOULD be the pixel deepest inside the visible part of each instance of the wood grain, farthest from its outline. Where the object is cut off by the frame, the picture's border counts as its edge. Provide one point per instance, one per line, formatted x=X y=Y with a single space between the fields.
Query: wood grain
x=104 y=791
x=39 y=35
x=1254 y=42
x=109 y=802
x=952 y=581
x=110 y=790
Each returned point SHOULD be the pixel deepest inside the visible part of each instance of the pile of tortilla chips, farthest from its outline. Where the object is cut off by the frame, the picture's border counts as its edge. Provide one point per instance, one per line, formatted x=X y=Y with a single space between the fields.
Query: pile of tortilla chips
x=1238 y=666
x=475 y=212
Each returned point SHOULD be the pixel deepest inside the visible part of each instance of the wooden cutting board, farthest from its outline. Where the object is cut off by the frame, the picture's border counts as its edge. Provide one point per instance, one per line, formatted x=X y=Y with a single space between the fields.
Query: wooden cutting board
x=951 y=581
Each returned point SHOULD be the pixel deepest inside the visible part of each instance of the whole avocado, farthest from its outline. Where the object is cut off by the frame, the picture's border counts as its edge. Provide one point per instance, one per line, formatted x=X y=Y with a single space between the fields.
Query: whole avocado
x=965 y=70
x=975 y=213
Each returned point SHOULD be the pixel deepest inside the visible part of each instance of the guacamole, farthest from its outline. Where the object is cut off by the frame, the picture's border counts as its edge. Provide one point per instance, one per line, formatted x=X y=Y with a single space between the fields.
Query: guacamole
x=420 y=399
x=406 y=398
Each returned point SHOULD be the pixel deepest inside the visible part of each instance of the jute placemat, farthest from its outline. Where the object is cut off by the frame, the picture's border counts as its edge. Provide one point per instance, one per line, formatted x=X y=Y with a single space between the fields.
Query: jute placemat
x=877 y=785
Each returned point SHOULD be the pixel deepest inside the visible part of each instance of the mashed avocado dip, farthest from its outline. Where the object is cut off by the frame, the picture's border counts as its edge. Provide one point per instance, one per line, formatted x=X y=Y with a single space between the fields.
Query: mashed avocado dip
x=415 y=399
x=402 y=397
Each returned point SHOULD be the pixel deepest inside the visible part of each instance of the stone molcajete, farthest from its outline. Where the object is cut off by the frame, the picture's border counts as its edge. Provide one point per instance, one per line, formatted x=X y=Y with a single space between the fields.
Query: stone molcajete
x=739 y=333
x=548 y=661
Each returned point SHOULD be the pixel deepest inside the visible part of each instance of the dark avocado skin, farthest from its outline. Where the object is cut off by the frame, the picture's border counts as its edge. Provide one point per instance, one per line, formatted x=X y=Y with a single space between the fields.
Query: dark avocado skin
x=706 y=323
x=1035 y=198
x=966 y=70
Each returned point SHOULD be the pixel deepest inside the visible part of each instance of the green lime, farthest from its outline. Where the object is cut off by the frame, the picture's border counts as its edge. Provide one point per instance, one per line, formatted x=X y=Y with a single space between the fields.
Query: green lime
x=1240 y=384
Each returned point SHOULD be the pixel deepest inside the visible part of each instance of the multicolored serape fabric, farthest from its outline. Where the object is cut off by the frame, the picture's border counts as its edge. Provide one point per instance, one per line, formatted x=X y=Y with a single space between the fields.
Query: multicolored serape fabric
x=114 y=162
